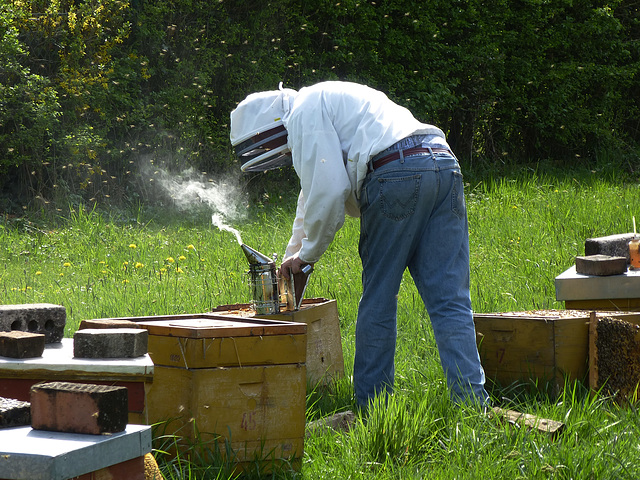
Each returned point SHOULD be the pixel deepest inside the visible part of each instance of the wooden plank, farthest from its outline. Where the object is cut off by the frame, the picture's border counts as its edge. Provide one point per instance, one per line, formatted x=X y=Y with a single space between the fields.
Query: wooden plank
x=593 y=362
x=571 y=346
x=532 y=422
x=513 y=348
x=605 y=305
x=220 y=326
x=227 y=351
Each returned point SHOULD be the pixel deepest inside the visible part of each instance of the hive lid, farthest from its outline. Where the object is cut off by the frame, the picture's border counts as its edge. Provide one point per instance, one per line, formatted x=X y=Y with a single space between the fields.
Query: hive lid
x=207 y=325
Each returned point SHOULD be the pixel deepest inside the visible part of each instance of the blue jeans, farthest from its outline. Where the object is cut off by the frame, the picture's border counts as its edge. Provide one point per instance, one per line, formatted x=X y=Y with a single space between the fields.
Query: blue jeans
x=413 y=214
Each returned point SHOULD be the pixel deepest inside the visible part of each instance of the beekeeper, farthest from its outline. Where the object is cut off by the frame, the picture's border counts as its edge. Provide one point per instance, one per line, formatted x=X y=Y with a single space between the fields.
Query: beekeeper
x=358 y=153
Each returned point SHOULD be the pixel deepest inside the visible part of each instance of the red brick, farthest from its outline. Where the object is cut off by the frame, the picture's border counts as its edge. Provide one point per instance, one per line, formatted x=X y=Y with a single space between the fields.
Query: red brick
x=78 y=408
x=18 y=344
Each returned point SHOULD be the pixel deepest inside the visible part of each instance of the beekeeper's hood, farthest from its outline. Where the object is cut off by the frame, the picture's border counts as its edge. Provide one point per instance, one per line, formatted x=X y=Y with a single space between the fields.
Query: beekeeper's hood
x=257 y=132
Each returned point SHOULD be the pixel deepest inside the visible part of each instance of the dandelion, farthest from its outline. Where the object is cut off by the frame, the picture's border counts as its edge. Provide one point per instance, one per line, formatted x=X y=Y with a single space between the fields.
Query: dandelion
x=139 y=265
x=61 y=274
x=104 y=272
x=182 y=257
x=179 y=270
x=101 y=262
x=163 y=270
x=38 y=272
x=133 y=245
x=190 y=247
x=170 y=260
x=125 y=263
x=125 y=281
x=66 y=264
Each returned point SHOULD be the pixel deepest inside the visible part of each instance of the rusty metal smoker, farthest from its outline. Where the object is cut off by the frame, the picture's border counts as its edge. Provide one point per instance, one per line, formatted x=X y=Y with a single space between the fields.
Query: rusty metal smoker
x=272 y=294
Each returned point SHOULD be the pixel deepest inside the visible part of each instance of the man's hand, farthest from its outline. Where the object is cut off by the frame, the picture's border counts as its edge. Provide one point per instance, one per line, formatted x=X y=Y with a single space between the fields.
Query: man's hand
x=293 y=265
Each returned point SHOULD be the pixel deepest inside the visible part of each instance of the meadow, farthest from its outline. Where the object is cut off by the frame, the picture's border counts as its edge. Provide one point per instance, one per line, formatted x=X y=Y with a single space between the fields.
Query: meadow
x=525 y=229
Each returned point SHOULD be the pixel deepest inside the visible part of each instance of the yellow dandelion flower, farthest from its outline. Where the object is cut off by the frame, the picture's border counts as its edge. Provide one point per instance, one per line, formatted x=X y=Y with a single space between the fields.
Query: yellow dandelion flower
x=101 y=262
x=179 y=270
x=190 y=247
x=163 y=270
x=139 y=265
x=66 y=264
x=170 y=260
x=125 y=281
x=125 y=263
x=133 y=245
x=182 y=257
x=104 y=272
x=38 y=272
x=61 y=274
x=14 y=289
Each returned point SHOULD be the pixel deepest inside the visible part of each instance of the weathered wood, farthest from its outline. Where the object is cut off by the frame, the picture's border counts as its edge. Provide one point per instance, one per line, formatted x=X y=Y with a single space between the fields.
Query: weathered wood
x=339 y=422
x=532 y=422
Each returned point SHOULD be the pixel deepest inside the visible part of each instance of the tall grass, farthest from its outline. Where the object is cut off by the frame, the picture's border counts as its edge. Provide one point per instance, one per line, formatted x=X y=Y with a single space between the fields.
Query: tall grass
x=524 y=231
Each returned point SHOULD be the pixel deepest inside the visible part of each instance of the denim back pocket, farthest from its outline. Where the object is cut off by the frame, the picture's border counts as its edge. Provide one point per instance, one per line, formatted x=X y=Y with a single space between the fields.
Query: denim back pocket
x=457 y=195
x=399 y=196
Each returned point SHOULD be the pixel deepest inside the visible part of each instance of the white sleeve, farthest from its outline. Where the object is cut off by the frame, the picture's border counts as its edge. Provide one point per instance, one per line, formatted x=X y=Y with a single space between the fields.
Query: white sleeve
x=297 y=234
x=318 y=160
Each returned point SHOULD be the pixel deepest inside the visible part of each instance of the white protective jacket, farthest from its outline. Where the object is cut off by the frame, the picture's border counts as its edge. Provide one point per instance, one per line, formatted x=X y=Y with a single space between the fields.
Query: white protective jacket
x=334 y=128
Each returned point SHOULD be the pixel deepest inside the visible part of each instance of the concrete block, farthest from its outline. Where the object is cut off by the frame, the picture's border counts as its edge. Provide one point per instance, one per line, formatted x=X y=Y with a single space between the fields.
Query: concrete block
x=612 y=245
x=108 y=323
x=110 y=343
x=17 y=344
x=78 y=408
x=14 y=413
x=601 y=265
x=44 y=318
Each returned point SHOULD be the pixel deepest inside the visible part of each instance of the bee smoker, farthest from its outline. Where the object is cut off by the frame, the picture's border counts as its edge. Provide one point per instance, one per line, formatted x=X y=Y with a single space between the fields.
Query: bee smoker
x=268 y=289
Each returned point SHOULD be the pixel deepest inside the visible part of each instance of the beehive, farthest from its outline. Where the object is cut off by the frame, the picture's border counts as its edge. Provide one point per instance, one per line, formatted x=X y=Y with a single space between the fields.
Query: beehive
x=240 y=381
x=543 y=346
x=325 y=360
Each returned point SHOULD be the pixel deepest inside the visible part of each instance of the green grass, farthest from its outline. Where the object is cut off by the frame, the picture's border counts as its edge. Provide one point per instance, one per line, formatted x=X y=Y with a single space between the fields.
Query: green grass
x=524 y=231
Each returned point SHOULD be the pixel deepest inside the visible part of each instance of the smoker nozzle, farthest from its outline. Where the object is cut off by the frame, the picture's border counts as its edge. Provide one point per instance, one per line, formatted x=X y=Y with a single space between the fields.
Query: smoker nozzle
x=255 y=257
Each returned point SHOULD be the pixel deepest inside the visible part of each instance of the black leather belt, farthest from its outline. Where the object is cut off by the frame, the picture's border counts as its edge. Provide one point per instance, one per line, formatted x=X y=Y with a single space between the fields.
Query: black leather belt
x=406 y=153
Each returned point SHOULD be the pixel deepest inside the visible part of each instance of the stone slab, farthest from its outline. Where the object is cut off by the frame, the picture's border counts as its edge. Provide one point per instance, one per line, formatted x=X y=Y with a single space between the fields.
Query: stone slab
x=601 y=265
x=571 y=285
x=79 y=408
x=40 y=455
x=612 y=245
x=57 y=359
x=110 y=343
x=45 y=318
x=18 y=344
x=14 y=413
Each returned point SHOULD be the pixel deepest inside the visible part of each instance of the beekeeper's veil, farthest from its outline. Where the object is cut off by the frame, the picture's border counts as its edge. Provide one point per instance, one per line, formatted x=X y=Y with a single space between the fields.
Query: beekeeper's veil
x=257 y=132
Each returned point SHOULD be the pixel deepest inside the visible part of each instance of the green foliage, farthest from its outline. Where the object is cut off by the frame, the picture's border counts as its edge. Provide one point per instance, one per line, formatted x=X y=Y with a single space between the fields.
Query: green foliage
x=88 y=89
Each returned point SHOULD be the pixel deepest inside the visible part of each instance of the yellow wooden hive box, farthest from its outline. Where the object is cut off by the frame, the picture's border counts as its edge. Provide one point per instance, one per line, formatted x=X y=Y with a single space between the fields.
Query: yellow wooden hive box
x=241 y=381
x=543 y=347
x=325 y=360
